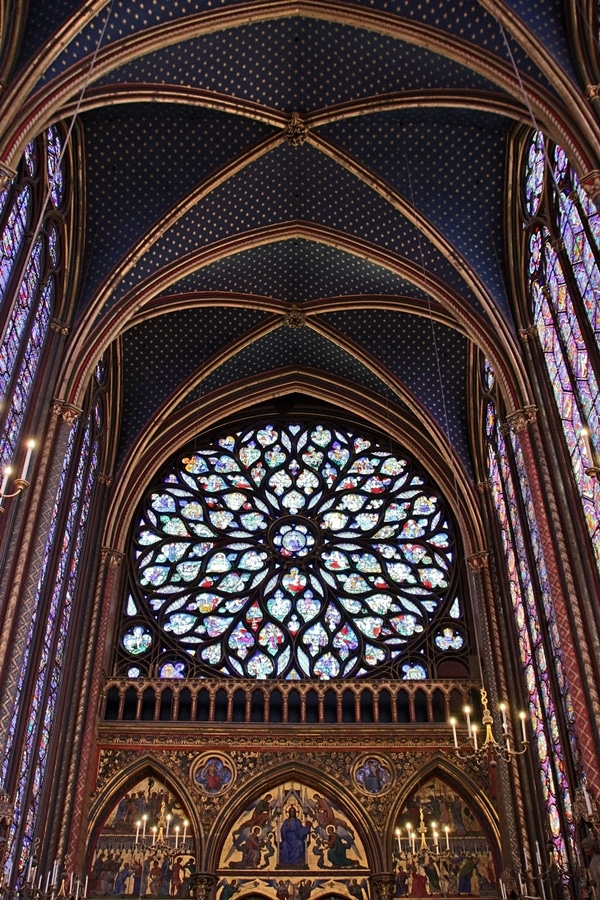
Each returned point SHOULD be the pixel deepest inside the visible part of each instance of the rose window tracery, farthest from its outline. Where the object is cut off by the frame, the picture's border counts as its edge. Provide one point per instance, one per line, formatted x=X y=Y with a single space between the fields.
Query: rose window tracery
x=293 y=551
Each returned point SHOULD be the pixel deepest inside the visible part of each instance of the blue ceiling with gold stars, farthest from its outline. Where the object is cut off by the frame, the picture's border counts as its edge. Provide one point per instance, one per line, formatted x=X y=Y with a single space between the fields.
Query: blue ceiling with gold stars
x=383 y=216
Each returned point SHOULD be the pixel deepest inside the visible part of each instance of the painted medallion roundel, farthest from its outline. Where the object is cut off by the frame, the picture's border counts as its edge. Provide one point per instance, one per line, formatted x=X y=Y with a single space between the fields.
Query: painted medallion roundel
x=291 y=551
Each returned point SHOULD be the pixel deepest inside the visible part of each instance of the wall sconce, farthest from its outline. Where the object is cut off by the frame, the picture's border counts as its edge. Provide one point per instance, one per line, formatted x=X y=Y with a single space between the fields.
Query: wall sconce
x=21 y=482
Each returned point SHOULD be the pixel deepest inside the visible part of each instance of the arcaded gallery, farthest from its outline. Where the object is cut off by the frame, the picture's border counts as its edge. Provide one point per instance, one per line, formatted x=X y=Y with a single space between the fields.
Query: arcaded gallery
x=300 y=449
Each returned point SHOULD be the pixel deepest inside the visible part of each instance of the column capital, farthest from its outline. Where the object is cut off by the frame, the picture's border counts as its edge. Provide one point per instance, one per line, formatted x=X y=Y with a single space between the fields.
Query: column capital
x=521 y=418
x=65 y=411
x=111 y=557
x=591 y=183
x=478 y=561
x=7 y=173
x=203 y=885
x=592 y=91
x=485 y=486
x=526 y=333
x=383 y=885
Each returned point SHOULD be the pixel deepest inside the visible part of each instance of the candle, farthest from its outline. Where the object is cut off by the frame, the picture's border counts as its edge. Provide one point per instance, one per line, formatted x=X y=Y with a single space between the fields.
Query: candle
x=521 y=885
x=71 y=884
x=474 y=733
x=588 y=805
x=589 y=447
x=522 y=718
x=137 y=831
x=144 y=819
x=399 y=841
x=435 y=842
x=176 y=836
x=7 y=471
x=537 y=855
x=54 y=871
x=467 y=712
x=504 y=722
x=85 y=887
x=167 y=831
x=453 y=724
x=185 y=825
x=40 y=883
x=78 y=885
x=47 y=882
x=30 y=446
x=446 y=829
x=525 y=858
x=153 y=835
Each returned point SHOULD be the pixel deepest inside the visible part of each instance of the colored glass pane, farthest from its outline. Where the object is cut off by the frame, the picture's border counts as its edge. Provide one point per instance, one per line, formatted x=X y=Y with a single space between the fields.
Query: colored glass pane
x=30 y=157
x=54 y=162
x=286 y=549
x=534 y=173
x=12 y=236
x=541 y=708
x=61 y=606
x=23 y=384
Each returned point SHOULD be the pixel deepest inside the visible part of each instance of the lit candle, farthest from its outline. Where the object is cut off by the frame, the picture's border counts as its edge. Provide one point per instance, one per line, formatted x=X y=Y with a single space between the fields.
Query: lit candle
x=7 y=472
x=185 y=825
x=176 y=836
x=446 y=829
x=167 y=831
x=399 y=840
x=467 y=712
x=504 y=722
x=453 y=724
x=30 y=446
x=153 y=835
x=474 y=733
x=85 y=887
x=588 y=805
x=137 y=831
x=589 y=447
x=435 y=842
x=522 y=718
x=144 y=819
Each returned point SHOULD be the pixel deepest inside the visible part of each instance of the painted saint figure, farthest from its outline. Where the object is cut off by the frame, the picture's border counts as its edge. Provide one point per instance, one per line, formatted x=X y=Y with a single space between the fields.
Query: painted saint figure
x=293 y=840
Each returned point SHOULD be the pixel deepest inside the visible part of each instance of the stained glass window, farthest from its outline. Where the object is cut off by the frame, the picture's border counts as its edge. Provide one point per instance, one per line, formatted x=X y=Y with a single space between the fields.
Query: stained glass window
x=563 y=257
x=27 y=288
x=293 y=551
x=524 y=592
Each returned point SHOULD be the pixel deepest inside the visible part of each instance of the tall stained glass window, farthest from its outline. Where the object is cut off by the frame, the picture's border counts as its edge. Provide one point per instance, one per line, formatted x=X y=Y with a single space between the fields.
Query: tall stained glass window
x=562 y=245
x=29 y=272
x=294 y=550
x=532 y=606
x=53 y=611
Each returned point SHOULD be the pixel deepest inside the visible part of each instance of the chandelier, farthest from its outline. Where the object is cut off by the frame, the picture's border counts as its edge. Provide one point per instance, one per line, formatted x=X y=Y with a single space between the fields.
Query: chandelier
x=489 y=745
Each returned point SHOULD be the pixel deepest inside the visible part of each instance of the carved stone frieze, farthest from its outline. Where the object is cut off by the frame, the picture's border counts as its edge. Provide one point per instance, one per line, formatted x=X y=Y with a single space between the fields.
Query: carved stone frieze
x=203 y=885
x=383 y=886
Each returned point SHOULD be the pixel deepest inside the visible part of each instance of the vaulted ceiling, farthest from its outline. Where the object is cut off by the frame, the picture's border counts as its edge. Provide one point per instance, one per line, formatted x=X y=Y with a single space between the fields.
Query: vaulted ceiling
x=364 y=238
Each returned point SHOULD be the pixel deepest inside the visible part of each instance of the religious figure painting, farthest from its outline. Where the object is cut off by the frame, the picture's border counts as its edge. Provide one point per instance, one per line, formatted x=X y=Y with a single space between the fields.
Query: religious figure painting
x=293 y=828
x=373 y=774
x=145 y=847
x=213 y=773
x=441 y=847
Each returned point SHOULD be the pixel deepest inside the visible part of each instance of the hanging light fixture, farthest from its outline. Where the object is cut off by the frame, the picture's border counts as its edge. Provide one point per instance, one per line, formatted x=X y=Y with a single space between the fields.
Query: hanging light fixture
x=489 y=744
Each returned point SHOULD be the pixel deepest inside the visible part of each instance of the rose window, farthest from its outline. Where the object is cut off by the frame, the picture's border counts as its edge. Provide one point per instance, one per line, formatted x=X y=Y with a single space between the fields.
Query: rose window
x=290 y=551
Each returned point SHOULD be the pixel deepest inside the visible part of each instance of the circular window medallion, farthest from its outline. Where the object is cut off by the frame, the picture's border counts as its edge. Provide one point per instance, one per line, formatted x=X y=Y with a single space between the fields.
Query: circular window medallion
x=293 y=551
